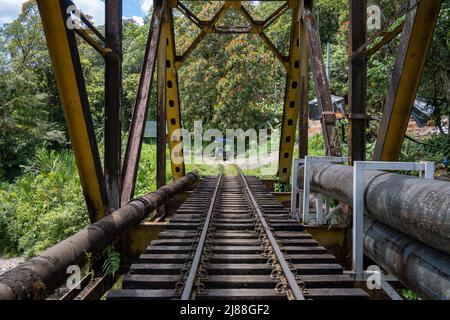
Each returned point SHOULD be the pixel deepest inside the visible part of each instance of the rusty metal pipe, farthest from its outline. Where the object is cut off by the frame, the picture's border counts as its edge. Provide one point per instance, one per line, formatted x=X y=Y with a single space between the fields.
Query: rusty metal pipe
x=417 y=207
x=37 y=277
x=423 y=269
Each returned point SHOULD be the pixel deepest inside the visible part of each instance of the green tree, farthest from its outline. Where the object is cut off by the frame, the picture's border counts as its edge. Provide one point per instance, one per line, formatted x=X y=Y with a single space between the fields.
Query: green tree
x=27 y=93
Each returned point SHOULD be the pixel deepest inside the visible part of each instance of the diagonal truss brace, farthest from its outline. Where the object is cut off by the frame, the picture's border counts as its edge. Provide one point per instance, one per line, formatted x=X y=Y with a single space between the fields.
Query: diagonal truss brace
x=62 y=46
x=210 y=26
x=136 y=133
x=414 y=44
x=328 y=119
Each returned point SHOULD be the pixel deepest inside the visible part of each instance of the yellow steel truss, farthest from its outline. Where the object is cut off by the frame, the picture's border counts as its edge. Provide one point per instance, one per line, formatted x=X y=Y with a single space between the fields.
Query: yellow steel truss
x=173 y=110
x=74 y=104
x=292 y=100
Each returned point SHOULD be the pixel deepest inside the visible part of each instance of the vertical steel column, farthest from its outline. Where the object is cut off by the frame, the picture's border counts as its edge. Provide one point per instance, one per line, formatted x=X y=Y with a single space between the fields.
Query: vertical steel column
x=291 y=101
x=330 y=134
x=161 y=105
x=136 y=134
x=62 y=46
x=357 y=81
x=414 y=44
x=113 y=102
x=304 y=87
x=173 y=108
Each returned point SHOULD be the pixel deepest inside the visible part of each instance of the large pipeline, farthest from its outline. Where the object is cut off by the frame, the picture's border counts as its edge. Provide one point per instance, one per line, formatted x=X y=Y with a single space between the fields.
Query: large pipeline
x=39 y=276
x=417 y=207
x=424 y=270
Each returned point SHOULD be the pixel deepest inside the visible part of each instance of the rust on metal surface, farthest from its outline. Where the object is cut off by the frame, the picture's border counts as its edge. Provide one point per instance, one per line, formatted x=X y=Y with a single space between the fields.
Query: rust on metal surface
x=415 y=206
x=328 y=120
x=246 y=247
x=136 y=133
x=161 y=125
x=418 y=31
x=291 y=102
x=303 y=123
x=210 y=26
x=357 y=81
x=94 y=43
x=37 y=277
x=426 y=270
x=113 y=103
x=63 y=49
x=172 y=102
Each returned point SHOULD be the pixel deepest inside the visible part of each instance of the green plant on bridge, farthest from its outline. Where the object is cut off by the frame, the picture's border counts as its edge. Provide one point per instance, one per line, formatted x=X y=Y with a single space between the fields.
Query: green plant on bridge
x=112 y=261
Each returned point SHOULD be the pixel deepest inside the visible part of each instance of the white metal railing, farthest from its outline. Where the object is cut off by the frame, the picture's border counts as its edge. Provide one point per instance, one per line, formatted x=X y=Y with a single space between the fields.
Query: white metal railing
x=302 y=211
x=426 y=170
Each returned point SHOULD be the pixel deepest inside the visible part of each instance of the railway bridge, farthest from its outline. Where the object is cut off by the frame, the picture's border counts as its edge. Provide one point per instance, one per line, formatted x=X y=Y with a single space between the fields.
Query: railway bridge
x=231 y=236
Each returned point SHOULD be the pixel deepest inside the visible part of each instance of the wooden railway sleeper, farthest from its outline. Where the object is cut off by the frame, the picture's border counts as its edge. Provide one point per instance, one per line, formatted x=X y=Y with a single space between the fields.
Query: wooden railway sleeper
x=228 y=245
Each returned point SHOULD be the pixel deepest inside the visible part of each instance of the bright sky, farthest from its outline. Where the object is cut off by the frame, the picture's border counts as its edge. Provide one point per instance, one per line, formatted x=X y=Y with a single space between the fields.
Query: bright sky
x=10 y=9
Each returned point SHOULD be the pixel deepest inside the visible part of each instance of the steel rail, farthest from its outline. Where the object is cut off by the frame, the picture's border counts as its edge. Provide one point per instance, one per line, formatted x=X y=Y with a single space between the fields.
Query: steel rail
x=296 y=291
x=187 y=290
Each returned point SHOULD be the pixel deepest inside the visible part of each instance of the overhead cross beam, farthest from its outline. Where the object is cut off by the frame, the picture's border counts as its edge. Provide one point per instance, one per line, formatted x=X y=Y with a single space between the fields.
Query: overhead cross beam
x=258 y=27
x=189 y=14
x=415 y=41
x=210 y=26
x=205 y=27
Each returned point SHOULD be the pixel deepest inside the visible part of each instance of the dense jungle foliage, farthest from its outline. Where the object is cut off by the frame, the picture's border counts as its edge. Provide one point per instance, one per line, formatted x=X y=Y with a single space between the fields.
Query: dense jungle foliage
x=228 y=82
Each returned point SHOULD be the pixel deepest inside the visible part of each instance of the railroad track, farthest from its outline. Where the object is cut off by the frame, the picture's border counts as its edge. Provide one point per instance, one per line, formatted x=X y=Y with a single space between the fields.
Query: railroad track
x=232 y=240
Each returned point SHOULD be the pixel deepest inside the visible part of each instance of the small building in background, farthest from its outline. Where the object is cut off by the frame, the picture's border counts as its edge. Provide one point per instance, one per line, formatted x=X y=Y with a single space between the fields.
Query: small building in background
x=421 y=113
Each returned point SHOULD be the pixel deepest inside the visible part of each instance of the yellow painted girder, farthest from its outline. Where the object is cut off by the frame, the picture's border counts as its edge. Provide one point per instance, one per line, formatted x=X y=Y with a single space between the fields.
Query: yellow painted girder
x=291 y=103
x=69 y=92
x=173 y=109
x=418 y=33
